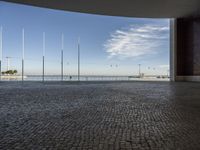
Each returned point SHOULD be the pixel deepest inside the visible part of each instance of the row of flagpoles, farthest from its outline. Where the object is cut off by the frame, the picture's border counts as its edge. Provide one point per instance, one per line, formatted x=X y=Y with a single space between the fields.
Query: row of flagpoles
x=43 y=57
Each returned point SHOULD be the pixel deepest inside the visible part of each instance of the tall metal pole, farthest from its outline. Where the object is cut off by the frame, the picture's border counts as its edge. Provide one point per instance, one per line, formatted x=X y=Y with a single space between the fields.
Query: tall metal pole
x=1 y=51
x=78 y=59
x=139 y=70
x=167 y=73
x=8 y=62
x=44 y=47
x=62 y=66
x=22 y=55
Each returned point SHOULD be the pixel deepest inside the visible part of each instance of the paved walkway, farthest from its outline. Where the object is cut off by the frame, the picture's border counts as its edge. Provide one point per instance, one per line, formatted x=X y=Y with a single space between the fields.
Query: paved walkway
x=123 y=115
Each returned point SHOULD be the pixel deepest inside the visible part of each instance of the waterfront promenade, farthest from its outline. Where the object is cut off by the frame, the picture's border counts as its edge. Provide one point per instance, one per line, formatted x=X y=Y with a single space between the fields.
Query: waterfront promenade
x=100 y=115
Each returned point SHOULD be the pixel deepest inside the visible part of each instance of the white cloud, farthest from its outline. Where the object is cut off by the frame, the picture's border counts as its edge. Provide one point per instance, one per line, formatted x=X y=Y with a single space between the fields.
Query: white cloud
x=164 y=66
x=137 y=41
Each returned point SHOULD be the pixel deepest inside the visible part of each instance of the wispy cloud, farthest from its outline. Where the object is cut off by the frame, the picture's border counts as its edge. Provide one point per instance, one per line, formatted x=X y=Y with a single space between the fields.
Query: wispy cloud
x=164 y=66
x=137 y=41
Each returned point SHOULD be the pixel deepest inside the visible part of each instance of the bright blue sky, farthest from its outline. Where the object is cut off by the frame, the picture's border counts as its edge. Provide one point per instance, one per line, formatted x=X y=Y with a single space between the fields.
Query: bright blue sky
x=105 y=41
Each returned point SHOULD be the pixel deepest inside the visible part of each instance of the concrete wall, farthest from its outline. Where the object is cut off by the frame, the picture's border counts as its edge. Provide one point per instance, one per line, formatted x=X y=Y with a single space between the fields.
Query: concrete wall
x=188 y=49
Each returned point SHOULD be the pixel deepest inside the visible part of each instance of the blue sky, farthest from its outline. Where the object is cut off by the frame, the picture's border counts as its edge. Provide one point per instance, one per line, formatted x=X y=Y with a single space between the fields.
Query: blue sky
x=106 y=41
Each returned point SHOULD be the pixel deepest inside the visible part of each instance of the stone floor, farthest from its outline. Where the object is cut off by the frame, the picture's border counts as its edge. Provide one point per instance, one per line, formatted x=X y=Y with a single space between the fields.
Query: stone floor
x=100 y=115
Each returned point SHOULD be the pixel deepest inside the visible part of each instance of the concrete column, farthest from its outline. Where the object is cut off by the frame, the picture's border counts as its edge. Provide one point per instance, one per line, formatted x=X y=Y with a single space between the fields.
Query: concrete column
x=173 y=52
x=188 y=49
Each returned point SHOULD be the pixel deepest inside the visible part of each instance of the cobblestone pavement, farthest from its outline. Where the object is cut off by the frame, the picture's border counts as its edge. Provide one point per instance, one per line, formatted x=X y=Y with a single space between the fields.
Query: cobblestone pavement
x=121 y=115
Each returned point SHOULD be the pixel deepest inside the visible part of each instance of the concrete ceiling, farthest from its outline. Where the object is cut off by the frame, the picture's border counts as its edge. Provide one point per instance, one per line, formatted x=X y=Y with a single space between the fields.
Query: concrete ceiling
x=129 y=8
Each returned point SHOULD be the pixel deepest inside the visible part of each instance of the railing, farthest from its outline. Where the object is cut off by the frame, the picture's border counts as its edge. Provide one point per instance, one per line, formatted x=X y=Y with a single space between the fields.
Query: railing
x=82 y=78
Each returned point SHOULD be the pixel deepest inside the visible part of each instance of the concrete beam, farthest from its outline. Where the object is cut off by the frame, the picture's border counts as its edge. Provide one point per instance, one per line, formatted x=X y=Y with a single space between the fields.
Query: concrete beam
x=128 y=8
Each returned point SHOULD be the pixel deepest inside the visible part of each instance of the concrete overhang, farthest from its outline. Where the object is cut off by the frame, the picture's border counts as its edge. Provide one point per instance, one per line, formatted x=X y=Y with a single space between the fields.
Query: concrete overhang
x=128 y=8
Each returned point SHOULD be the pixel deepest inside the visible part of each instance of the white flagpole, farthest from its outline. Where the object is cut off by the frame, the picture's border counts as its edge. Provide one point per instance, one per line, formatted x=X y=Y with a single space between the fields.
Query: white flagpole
x=23 y=49
x=1 y=52
x=62 y=66
x=44 y=47
x=79 y=59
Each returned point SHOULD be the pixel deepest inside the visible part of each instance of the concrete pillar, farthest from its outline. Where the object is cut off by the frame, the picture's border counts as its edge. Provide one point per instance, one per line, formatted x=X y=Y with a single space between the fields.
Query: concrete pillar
x=187 y=55
x=173 y=52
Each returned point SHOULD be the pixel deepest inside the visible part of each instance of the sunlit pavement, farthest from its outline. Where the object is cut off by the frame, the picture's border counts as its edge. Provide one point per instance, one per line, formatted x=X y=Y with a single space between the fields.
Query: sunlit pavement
x=100 y=115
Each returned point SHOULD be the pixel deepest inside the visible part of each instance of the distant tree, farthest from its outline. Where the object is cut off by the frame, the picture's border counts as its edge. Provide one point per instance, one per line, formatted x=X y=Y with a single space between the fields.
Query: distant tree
x=9 y=72
x=15 y=71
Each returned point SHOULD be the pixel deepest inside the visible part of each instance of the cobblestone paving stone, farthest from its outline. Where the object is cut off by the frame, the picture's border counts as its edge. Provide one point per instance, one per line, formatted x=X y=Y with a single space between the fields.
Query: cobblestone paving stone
x=100 y=116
